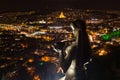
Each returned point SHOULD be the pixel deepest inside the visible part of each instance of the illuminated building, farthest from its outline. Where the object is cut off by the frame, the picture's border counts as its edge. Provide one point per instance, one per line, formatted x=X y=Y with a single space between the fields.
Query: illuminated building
x=62 y=15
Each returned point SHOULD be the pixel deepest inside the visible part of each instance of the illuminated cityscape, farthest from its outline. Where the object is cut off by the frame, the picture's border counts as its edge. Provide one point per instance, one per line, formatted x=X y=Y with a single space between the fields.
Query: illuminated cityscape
x=26 y=40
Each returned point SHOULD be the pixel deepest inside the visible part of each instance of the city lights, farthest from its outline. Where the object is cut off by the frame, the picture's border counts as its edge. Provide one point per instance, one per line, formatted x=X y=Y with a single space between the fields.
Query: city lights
x=31 y=44
x=102 y=52
x=113 y=34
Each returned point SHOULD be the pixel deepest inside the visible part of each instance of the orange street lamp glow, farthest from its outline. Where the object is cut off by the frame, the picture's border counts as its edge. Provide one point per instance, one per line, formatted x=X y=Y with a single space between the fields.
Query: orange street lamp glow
x=30 y=60
x=102 y=52
x=45 y=58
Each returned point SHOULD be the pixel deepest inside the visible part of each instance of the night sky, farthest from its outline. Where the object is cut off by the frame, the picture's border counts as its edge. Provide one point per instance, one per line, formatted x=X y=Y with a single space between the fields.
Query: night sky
x=59 y=4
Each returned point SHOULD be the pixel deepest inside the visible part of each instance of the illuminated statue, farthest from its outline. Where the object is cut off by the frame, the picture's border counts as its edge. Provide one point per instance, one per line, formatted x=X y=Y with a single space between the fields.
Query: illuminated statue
x=77 y=55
